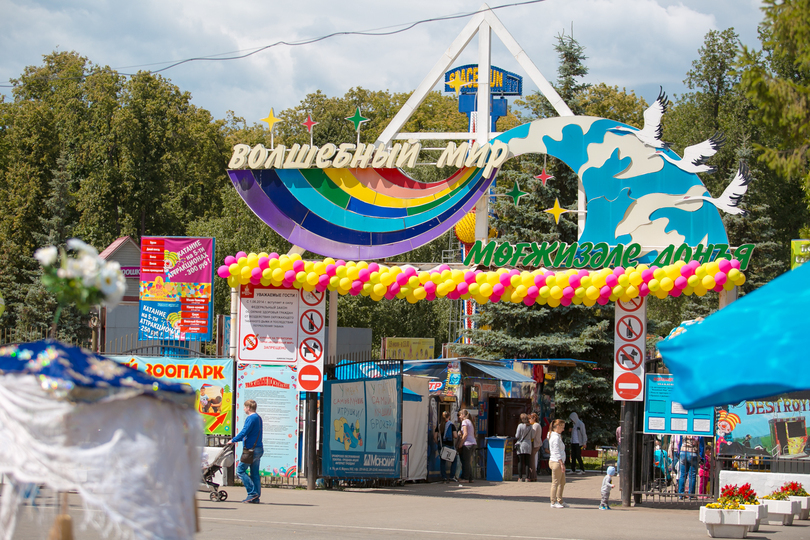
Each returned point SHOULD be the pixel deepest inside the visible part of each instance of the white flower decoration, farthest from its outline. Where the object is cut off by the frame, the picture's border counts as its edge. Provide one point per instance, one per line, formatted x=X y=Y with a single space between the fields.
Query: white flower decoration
x=77 y=245
x=47 y=255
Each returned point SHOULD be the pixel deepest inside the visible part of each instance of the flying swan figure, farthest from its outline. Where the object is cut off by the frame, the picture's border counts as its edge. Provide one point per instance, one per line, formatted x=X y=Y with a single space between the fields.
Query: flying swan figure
x=695 y=156
x=651 y=133
x=730 y=199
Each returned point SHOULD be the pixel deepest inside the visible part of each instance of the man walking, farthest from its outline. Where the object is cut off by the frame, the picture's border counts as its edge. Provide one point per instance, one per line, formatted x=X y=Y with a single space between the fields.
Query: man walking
x=251 y=435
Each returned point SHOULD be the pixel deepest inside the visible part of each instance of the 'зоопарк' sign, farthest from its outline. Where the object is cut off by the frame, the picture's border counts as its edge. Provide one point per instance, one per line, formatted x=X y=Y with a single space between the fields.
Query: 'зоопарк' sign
x=586 y=254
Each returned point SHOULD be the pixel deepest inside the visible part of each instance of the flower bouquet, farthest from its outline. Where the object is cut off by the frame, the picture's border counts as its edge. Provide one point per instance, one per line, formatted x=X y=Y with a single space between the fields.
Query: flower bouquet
x=743 y=494
x=84 y=279
x=794 y=491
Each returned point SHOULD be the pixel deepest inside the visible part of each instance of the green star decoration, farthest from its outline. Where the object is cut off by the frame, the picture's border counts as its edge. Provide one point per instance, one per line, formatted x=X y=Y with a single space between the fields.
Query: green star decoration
x=516 y=194
x=357 y=119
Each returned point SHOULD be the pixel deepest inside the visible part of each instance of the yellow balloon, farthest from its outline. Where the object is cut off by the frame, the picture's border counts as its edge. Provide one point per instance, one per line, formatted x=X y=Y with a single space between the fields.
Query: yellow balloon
x=362 y=264
x=329 y=260
x=235 y=269
x=632 y=291
x=654 y=285
x=579 y=292
x=473 y=289
x=312 y=278
x=545 y=292
x=740 y=280
x=458 y=276
x=485 y=289
x=253 y=260
x=301 y=277
x=592 y=293
x=521 y=291
x=700 y=272
x=624 y=280
x=420 y=293
x=586 y=282
x=265 y=282
x=295 y=257
x=413 y=281
x=553 y=302
x=436 y=277
x=708 y=282
x=353 y=273
x=309 y=266
x=334 y=282
x=659 y=274
x=700 y=290
x=273 y=264
x=245 y=273
x=493 y=278
x=618 y=290
x=589 y=302
x=661 y=293
x=526 y=279
x=424 y=277
x=561 y=281
x=345 y=283
x=480 y=299
x=733 y=274
x=319 y=267
x=556 y=292
x=693 y=281
x=551 y=281
x=673 y=272
x=233 y=282
x=667 y=284
x=267 y=274
x=411 y=299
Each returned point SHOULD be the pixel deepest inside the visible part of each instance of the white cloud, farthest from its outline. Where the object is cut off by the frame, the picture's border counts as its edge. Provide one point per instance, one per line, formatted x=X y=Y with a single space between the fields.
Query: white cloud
x=638 y=44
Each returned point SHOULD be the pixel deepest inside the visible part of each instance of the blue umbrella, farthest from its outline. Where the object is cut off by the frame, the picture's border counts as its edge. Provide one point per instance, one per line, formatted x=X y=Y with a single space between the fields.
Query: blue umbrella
x=80 y=375
x=753 y=348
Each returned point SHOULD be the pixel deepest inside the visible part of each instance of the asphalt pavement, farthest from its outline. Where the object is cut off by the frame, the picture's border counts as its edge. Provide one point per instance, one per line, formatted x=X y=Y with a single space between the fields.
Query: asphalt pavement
x=519 y=510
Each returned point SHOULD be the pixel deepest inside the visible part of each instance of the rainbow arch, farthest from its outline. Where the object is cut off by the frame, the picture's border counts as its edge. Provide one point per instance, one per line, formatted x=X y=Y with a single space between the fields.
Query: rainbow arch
x=359 y=213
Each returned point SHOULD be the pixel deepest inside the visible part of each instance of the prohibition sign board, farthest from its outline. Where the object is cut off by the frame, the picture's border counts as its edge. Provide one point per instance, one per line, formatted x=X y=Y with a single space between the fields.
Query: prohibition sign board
x=629 y=356
x=633 y=305
x=312 y=321
x=629 y=328
x=312 y=298
x=309 y=378
x=311 y=350
x=628 y=386
x=251 y=341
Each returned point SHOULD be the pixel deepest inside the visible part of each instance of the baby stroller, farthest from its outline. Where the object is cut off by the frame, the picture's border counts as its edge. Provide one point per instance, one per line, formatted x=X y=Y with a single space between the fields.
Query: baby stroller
x=224 y=459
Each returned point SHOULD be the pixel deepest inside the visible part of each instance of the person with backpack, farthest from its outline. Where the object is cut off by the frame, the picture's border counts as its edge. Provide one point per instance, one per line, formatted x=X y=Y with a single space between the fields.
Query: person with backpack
x=446 y=435
x=523 y=446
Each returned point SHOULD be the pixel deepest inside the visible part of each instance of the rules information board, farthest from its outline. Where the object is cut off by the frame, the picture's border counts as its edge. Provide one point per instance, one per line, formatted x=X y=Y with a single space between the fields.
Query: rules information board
x=630 y=335
x=283 y=327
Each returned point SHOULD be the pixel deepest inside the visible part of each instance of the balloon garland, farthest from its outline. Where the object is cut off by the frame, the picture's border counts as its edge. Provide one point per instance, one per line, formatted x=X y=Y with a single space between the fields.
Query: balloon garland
x=540 y=286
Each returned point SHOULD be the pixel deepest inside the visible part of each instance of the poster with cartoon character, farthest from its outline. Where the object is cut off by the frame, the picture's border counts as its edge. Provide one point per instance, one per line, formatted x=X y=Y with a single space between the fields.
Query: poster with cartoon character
x=363 y=424
x=775 y=425
x=176 y=288
x=211 y=379
x=276 y=393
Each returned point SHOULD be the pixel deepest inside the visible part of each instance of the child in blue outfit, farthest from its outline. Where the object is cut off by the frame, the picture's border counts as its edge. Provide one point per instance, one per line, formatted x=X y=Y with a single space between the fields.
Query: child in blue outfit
x=606 y=487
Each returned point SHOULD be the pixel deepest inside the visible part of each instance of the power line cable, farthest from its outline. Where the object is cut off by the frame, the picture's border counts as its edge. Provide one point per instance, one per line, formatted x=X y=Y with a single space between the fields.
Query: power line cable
x=371 y=33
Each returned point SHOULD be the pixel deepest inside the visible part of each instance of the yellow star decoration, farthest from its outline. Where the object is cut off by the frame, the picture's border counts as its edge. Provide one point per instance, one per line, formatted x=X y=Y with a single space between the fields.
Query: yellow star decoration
x=556 y=211
x=271 y=119
x=456 y=83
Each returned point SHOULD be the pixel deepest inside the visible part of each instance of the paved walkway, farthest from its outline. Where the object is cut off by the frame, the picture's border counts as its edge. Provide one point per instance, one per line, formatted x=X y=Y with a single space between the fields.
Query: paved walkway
x=479 y=510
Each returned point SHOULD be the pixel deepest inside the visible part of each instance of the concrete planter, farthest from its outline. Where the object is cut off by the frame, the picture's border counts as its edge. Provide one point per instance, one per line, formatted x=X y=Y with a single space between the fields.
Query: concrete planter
x=781 y=512
x=727 y=523
x=762 y=514
x=804 y=513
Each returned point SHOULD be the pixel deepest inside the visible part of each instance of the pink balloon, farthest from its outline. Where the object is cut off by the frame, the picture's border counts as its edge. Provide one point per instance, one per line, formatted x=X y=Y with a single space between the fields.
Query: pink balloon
x=443 y=267
x=611 y=281
x=568 y=293
x=431 y=296
x=681 y=282
x=687 y=270
x=330 y=270
x=263 y=262
x=602 y=300
x=256 y=273
x=495 y=298
x=676 y=292
x=462 y=288
x=274 y=255
x=354 y=292
x=289 y=275
x=720 y=277
x=373 y=267
x=255 y=280
x=718 y=288
x=394 y=288
x=340 y=262
x=540 y=280
x=497 y=290
x=646 y=275
x=532 y=292
x=565 y=301
x=364 y=274
x=402 y=279
x=643 y=290
x=724 y=265
x=410 y=271
x=695 y=264
x=390 y=295
x=453 y=295
x=582 y=273
x=320 y=287
x=618 y=271
x=323 y=279
x=298 y=266
x=735 y=264
x=469 y=277
x=240 y=255
x=506 y=279
x=574 y=281
x=229 y=260
x=606 y=291
x=530 y=301
x=357 y=285
x=430 y=287
x=223 y=272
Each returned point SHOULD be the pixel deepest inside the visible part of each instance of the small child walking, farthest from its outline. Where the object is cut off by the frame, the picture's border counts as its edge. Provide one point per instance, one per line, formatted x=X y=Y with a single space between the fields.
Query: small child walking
x=606 y=487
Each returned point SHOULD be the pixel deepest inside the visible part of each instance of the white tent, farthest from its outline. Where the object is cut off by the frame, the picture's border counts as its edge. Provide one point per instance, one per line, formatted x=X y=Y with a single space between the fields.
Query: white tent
x=415 y=425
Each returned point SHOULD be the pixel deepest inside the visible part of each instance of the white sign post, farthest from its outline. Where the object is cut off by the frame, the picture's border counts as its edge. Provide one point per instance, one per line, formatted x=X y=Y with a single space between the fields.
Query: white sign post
x=630 y=335
x=283 y=327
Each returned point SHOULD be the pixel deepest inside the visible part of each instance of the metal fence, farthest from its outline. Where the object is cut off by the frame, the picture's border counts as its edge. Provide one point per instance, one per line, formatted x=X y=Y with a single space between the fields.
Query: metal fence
x=10 y=336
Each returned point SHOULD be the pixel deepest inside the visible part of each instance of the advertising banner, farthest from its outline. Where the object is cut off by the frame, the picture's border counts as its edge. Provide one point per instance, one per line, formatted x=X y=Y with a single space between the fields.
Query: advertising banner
x=776 y=425
x=664 y=416
x=176 y=288
x=408 y=348
x=362 y=422
x=275 y=392
x=211 y=379
x=799 y=253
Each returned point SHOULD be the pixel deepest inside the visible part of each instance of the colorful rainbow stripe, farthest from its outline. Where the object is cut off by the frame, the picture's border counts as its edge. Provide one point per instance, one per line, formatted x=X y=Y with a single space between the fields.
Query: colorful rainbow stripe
x=358 y=213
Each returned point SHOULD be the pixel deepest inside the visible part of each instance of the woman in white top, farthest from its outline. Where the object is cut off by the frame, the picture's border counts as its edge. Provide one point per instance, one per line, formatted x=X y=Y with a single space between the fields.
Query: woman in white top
x=467 y=447
x=557 y=463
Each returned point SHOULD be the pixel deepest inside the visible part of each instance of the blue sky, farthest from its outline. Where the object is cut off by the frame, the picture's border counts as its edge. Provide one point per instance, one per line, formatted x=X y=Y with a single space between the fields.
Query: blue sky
x=637 y=44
